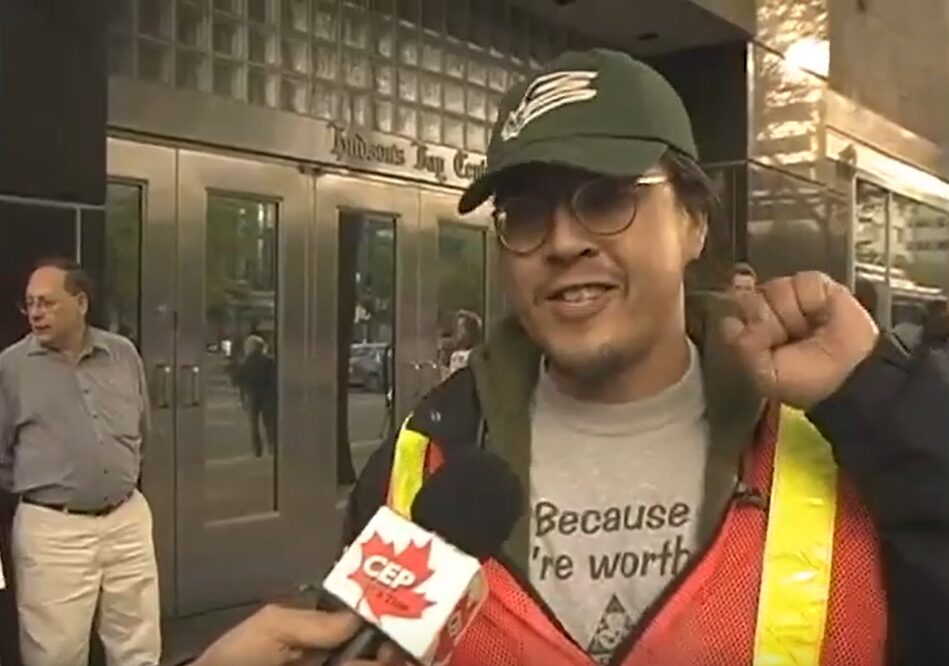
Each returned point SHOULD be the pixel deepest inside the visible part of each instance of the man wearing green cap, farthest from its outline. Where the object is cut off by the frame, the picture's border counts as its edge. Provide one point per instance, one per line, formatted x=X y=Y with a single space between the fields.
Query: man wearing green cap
x=683 y=509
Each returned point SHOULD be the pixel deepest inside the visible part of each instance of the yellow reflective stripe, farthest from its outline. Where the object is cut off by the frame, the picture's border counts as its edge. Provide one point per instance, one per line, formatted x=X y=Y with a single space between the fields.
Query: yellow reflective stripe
x=408 y=469
x=795 y=580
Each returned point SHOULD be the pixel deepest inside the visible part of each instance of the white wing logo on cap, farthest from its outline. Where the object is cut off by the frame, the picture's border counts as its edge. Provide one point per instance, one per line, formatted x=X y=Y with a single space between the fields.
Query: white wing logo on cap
x=546 y=93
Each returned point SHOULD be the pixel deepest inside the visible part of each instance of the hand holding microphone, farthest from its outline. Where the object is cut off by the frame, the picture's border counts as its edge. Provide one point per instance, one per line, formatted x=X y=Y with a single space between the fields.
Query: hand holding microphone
x=472 y=503
x=279 y=636
x=419 y=584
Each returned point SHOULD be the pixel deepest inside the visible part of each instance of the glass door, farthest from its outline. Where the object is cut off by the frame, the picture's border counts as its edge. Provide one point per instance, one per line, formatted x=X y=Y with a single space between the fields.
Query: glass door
x=249 y=495
x=459 y=290
x=204 y=262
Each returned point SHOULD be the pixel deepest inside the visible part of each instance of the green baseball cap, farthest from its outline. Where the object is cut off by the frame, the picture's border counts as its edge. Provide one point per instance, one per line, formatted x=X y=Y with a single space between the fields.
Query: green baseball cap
x=599 y=110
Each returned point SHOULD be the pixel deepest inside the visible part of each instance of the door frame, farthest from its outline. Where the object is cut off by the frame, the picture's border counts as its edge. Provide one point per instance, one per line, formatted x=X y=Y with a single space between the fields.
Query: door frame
x=337 y=192
x=153 y=169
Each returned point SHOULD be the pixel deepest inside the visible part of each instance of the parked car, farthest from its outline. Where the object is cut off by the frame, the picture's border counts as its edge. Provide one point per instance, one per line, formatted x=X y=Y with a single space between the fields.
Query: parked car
x=367 y=365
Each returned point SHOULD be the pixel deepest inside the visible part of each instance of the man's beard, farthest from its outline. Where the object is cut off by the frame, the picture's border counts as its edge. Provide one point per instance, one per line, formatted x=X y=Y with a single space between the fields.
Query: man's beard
x=594 y=369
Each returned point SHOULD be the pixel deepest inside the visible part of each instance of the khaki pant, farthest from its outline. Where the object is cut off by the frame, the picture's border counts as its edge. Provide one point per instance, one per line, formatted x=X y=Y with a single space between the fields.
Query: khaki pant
x=69 y=567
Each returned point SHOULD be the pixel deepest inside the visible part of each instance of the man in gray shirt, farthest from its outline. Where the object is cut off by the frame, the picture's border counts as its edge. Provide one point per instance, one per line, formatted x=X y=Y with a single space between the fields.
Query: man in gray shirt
x=73 y=416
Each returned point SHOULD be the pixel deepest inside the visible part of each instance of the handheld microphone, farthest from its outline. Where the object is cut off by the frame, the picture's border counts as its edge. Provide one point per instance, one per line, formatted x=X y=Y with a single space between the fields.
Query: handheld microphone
x=419 y=584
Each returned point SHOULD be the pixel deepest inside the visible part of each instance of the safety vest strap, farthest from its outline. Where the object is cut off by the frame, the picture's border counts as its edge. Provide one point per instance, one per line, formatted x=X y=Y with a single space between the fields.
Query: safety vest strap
x=795 y=579
x=408 y=469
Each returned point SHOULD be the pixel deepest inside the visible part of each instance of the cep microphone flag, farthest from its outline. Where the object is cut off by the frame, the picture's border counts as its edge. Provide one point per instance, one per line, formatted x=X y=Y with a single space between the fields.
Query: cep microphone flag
x=419 y=587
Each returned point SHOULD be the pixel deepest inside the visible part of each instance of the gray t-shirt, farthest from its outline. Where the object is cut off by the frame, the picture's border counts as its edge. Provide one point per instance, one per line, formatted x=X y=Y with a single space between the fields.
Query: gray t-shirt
x=614 y=494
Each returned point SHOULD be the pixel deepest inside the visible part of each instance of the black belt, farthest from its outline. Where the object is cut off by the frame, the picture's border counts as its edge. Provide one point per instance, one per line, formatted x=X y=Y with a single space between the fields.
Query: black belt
x=62 y=508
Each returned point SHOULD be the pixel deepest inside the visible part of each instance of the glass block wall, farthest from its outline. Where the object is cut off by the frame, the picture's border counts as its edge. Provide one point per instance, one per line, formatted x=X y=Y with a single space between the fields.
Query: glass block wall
x=431 y=70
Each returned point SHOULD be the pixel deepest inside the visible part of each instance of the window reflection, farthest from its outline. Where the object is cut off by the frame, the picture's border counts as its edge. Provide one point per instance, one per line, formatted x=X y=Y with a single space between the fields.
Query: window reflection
x=119 y=285
x=366 y=338
x=240 y=355
x=870 y=235
x=923 y=251
x=461 y=293
x=793 y=225
x=240 y=349
x=920 y=269
x=902 y=249
x=870 y=248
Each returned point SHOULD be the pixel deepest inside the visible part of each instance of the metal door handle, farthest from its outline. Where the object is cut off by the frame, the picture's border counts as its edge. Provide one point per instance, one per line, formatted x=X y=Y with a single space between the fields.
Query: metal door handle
x=192 y=380
x=163 y=380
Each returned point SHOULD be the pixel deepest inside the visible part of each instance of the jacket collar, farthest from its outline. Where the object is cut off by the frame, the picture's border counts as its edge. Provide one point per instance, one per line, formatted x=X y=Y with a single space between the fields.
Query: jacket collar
x=506 y=372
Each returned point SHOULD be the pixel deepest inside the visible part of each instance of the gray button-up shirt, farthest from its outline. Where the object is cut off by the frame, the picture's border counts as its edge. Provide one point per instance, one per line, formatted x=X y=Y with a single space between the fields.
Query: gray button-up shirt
x=72 y=433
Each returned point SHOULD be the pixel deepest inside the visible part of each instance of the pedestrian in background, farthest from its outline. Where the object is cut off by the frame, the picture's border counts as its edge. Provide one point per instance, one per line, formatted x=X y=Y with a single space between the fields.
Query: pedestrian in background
x=257 y=379
x=743 y=279
x=73 y=419
x=467 y=336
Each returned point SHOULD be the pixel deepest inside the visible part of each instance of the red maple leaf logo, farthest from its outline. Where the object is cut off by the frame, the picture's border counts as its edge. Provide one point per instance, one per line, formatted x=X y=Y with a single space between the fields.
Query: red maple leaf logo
x=388 y=580
x=457 y=621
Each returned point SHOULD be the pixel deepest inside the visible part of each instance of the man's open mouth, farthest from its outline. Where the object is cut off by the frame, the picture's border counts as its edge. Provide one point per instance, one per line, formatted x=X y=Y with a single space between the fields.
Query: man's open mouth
x=581 y=292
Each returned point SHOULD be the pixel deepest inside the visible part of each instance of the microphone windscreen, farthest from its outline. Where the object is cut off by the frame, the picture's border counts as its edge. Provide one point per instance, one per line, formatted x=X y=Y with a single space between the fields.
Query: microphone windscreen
x=472 y=501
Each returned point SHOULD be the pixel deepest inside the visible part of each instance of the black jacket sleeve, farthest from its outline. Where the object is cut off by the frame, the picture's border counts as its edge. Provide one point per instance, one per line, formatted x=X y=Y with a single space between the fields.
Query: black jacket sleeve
x=450 y=414
x=889 y=428
x=369 y=493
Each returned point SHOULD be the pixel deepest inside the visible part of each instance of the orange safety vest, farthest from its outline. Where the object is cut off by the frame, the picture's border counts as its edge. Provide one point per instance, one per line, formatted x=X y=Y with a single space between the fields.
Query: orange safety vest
x=798 y=584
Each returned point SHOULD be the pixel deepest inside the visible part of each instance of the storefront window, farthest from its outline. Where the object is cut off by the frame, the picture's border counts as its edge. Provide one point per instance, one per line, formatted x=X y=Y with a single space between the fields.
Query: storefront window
x=902 y=249
x=925 y=253
x=920 y=258
x=870 y=246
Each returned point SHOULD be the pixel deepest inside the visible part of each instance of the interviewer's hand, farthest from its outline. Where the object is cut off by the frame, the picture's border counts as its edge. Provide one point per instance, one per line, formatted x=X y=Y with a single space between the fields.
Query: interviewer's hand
x=279 y=636
x=800 y=337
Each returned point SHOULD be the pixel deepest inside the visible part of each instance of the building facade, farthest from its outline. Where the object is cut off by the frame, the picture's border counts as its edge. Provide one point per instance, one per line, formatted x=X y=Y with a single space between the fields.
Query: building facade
x=850 y=97
x=280 y=178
